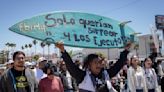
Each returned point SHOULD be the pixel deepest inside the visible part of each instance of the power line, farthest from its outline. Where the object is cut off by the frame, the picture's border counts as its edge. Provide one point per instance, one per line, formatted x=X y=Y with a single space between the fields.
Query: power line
x=126 y=5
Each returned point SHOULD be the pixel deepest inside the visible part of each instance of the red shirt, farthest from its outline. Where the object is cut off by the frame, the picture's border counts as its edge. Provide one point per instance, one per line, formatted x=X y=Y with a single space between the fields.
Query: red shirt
x=50 y=85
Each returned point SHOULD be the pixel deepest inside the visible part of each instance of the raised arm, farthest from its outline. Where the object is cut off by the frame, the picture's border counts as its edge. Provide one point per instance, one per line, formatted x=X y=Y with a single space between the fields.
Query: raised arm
x=75 y=71
x=120 y=63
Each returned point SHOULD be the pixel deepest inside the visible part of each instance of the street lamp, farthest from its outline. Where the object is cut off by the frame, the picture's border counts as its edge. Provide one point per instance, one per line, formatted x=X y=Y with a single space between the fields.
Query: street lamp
x=122 y=25
x=125 y=22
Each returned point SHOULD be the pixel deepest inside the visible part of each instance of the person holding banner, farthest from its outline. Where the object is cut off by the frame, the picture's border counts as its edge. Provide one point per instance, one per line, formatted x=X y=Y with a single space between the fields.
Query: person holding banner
x=93 y=77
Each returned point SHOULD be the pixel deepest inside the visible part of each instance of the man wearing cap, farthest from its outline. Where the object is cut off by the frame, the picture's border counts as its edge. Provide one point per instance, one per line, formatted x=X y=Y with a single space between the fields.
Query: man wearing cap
x=2 y=69
x=18 y=78
x=38 y=71
x=9 y=64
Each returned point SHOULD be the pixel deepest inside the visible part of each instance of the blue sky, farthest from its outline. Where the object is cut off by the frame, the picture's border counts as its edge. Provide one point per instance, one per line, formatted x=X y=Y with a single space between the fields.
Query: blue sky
x=140 y=12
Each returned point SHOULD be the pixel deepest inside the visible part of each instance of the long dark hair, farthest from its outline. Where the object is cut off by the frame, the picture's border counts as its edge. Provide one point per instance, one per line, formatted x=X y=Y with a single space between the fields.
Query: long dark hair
x=146 y=60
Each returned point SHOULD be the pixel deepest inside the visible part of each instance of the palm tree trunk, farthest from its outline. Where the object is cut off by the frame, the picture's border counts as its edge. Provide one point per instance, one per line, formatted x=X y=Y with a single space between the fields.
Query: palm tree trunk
x=48 y=52
x=43 y=51
x=30 y=55
x=35 y=49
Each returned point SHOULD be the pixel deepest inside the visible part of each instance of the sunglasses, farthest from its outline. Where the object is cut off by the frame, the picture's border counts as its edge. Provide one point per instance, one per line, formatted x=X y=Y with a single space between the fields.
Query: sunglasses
x=19 y=58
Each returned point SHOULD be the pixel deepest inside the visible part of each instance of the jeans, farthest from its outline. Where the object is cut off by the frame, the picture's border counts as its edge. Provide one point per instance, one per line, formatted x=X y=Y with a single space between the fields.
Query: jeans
x=139 y=90
x=162 y=84
x=151 y=90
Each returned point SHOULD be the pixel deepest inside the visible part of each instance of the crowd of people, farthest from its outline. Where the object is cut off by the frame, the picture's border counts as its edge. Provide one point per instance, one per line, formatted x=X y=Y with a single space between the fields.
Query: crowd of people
x=94 y=74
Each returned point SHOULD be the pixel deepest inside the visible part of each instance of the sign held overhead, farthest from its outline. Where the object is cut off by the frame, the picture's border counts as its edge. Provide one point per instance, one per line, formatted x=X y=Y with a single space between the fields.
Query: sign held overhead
x=75 y=29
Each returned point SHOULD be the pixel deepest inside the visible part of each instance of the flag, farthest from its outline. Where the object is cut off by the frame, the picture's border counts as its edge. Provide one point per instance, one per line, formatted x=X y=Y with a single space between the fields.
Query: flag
x=155 y=37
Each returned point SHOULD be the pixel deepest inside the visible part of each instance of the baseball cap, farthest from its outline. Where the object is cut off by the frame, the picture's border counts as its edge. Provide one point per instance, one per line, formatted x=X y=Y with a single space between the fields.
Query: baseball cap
x=41 y=59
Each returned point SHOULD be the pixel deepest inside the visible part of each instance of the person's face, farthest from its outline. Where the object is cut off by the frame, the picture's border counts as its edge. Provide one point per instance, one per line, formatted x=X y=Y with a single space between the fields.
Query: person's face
x=148 y=63
x=1 y=71
x=104 y=63
x=95 y=66
x=42 y=64
x=19 y=62
x=48 y=71
x=135 y=62
x=63 y=67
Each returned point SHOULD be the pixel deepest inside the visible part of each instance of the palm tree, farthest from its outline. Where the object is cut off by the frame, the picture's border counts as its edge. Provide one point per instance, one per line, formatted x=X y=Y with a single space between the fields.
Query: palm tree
x=7 y=51
x=26 y=46
x=12 y=44
x=42 y=44
x=22 y=47
x=10 y=47
x=35 y=42
x=30 y=45
x=7 y=44
x=48 y=44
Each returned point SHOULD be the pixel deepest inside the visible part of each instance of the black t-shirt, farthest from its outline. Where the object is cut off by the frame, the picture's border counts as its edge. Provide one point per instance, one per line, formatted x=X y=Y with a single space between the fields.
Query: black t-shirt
x=21 y=81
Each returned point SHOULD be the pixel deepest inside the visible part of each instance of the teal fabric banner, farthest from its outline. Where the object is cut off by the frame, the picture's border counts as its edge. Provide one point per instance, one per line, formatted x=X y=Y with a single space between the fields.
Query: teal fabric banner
x=75 y=29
